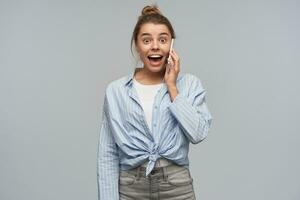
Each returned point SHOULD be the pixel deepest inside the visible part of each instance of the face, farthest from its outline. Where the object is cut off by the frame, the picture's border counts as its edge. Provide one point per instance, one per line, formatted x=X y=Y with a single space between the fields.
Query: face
x=153 y=45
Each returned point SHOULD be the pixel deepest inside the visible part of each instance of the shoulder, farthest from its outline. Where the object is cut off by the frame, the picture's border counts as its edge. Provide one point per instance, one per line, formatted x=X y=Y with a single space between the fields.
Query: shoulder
x=116 y=86
x=190 y=76
x=190 y=80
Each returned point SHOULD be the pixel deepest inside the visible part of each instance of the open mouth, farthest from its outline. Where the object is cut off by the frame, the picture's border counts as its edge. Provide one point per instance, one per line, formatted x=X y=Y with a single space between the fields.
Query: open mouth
x=155 y=58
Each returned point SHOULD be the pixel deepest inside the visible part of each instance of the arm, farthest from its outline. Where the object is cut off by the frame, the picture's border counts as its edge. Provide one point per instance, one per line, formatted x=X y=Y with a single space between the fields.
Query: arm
x=192 y=112
x=108 y=161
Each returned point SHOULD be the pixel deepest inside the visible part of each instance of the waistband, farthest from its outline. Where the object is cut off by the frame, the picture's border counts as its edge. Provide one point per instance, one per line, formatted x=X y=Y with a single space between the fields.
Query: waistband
x=162 y=171
x=161 y=162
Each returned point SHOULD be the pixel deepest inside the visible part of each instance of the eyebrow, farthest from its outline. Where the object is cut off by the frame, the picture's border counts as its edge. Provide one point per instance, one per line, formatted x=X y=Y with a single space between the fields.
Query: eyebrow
x=148 y=34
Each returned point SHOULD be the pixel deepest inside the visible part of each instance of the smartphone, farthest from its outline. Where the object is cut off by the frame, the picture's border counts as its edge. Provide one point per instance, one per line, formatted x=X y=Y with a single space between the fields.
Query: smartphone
x=171 y=47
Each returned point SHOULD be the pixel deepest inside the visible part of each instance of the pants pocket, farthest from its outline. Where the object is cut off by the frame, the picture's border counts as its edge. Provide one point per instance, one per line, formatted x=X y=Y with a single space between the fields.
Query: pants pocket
x=126 y=178
x=180 y=177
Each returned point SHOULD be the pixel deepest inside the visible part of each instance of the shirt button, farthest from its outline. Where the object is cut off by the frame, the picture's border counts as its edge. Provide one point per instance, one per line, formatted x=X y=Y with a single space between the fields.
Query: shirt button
x=154 y=125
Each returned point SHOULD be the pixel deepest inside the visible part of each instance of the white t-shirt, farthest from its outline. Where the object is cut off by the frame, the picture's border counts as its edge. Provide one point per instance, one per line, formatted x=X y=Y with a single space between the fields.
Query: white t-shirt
x=146 y=94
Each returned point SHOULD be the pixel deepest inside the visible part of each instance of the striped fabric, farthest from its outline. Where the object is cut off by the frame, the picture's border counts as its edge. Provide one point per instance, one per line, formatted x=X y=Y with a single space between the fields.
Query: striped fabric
x=126 y=140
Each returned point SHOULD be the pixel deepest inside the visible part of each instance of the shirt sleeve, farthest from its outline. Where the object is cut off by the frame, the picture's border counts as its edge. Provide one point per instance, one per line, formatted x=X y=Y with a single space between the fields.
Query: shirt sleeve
x=191 y=112
x=108 y=161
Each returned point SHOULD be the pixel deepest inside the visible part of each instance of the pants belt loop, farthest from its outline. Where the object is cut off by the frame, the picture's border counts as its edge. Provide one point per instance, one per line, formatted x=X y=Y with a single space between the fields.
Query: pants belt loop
x=138 y=173
x=165 y=173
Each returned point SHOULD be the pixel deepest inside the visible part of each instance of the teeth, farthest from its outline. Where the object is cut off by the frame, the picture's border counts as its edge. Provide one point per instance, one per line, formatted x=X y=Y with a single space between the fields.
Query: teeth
x=155 y=56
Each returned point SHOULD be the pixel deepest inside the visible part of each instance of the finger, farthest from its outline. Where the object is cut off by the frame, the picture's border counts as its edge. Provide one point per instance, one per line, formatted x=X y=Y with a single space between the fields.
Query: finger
x=167 y=70
x=171 y=63
x=175 y=62
x=175 y=55
x=171 y=57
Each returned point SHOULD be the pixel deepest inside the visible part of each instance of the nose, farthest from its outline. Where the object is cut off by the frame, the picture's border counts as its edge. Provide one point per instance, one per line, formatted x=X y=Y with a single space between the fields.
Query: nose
x=155 y=45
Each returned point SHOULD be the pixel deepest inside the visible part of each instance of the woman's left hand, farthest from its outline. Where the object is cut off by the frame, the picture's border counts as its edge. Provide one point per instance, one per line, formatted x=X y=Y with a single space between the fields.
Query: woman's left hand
x=172 y=69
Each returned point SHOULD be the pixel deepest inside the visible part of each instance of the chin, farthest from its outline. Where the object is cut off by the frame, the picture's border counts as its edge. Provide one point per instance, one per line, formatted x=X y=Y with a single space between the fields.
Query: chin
x=156 y=68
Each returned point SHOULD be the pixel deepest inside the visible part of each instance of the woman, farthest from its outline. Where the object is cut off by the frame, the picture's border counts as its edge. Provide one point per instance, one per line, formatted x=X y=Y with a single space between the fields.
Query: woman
x=149 y=119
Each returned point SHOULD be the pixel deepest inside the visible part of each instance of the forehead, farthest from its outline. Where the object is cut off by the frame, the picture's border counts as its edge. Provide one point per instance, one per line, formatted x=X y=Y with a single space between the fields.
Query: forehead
x=154 y=30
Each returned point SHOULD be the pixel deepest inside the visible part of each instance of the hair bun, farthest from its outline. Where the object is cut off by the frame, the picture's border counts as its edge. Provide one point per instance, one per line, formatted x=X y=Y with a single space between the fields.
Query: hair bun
x=148 y=10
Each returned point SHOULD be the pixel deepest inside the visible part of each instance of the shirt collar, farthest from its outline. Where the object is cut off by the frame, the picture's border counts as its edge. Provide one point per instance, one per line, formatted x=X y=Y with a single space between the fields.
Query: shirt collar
x=130 y=77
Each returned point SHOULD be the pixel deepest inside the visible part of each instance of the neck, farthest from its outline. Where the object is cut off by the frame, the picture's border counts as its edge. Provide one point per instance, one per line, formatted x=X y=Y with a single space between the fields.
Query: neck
x=147 y=77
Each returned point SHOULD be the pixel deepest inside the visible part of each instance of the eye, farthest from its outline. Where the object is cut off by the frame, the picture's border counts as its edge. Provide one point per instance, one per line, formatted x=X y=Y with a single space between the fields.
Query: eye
x=146 y=41
x=163 y=40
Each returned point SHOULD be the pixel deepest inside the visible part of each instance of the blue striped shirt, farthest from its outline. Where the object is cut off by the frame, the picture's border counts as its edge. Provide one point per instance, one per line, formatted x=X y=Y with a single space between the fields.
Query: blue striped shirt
x=126 y=140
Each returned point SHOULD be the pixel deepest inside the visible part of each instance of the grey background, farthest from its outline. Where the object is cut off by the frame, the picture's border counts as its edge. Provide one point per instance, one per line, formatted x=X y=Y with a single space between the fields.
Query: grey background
x=57 y=57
